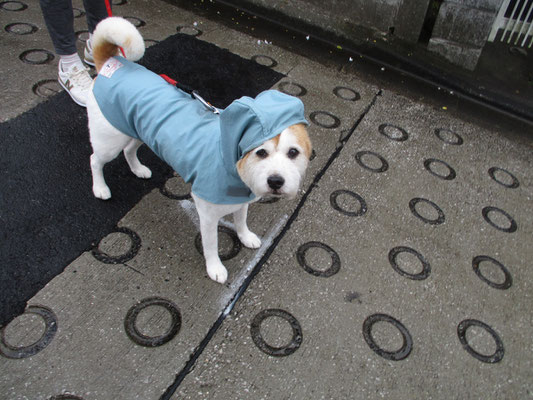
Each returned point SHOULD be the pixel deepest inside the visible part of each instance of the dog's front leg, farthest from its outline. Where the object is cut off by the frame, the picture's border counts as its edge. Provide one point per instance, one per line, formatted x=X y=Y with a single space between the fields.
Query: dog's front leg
x=247 y=237
x=209 y=215
x=215 y=268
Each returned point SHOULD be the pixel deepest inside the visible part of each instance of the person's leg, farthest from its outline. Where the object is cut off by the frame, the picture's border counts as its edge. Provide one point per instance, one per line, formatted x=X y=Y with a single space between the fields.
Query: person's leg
x=59 y=19
x=73 y=76
x=95 y=11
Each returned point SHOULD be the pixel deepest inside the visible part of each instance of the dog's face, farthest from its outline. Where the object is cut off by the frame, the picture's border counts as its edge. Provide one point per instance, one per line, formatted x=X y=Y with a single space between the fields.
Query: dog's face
x=277 y=167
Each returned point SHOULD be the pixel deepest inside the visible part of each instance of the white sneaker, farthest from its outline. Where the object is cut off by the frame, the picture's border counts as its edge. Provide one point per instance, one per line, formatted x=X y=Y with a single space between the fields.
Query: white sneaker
x=88 y=54
x=77 y=82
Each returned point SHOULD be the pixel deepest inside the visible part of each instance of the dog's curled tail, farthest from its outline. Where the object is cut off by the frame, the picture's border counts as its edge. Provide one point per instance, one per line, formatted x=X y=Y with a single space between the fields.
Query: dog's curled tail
x=113 y=34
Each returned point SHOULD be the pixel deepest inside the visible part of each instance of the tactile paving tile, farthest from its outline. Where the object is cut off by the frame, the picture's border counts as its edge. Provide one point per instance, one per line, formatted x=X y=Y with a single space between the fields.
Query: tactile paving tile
x=124 y=318
x=395 y=281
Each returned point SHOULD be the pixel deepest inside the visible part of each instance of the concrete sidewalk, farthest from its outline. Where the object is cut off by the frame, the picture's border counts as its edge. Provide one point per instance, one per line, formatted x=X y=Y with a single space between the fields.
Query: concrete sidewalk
x=401 y=271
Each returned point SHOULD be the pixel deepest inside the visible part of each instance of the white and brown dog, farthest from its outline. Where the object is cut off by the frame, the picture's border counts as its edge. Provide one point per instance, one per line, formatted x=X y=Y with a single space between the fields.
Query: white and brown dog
x=252 y=149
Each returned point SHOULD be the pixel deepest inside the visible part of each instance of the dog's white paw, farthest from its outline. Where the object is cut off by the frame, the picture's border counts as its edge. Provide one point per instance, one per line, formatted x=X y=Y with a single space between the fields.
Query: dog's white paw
x=102 y=192
x=250 y=240
x=143 y=172
x=217 y=272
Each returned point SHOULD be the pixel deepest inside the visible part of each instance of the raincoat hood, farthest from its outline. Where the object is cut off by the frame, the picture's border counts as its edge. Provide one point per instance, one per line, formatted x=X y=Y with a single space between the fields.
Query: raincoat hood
x=247 y=123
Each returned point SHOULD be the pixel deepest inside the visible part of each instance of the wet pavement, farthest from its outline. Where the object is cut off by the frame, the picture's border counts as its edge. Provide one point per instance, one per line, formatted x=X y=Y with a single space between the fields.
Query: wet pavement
x=400 y=271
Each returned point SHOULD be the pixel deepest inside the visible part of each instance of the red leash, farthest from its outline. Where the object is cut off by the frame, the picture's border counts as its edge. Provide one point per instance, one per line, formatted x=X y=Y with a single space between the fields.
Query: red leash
x=108 y=8
x=168 y=79
x=194 y=94
x=110 y=14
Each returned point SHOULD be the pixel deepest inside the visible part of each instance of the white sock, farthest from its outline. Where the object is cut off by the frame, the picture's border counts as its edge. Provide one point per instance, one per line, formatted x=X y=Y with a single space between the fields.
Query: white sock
x=67 y=62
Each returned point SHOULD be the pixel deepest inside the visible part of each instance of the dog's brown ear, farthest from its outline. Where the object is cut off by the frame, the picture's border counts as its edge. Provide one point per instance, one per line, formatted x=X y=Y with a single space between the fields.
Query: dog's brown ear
x=241 y=163
x=302 y=137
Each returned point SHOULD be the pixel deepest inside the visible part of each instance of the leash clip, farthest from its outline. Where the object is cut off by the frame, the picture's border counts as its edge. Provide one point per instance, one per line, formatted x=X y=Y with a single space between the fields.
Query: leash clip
x=194 y=94
x=207 y=105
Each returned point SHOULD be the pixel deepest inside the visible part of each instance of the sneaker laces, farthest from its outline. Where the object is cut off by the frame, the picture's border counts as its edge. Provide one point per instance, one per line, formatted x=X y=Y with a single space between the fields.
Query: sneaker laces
x=80 y=76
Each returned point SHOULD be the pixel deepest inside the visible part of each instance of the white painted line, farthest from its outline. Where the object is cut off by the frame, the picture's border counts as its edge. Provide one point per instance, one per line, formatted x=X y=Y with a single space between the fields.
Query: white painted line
x=236 y=283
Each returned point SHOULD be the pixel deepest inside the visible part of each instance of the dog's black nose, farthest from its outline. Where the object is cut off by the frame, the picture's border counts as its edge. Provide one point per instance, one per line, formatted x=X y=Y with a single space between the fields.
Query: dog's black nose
x=275 y=182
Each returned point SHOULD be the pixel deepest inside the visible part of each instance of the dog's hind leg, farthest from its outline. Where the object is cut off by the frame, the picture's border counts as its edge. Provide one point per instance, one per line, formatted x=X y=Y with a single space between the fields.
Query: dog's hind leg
x=130 y=153
x=100 y=188
x=102 y=154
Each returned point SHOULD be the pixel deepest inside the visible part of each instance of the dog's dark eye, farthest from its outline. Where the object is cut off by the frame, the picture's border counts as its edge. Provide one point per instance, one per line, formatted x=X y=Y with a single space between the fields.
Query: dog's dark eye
x=261 y=153
x=293 y=153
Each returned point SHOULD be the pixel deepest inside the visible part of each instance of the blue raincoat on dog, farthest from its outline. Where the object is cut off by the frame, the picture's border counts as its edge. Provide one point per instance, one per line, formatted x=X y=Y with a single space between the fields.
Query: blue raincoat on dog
x=201 y=146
